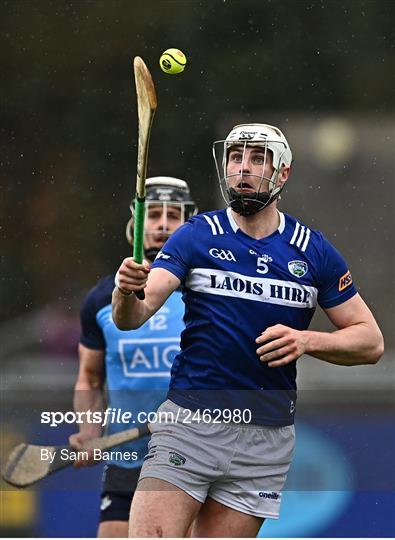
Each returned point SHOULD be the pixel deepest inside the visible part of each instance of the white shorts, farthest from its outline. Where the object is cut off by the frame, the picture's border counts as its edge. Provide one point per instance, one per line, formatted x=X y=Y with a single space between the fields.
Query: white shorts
x=242 y=466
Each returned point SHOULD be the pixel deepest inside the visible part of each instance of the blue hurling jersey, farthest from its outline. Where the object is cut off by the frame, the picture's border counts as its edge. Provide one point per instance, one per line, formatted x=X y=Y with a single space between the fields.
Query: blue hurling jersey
x=137 y=362
x=234 y=287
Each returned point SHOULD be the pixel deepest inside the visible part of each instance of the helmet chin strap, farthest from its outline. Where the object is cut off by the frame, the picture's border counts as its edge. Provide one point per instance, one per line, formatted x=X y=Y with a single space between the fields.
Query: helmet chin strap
x=247 y=205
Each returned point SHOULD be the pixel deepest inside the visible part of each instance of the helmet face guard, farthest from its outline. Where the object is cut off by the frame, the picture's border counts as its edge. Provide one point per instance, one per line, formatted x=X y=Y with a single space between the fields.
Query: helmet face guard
x=272 y=143
x=168 y=193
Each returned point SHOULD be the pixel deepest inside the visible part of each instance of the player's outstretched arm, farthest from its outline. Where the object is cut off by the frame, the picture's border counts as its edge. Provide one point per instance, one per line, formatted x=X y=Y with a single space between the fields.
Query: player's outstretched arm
x=357 y=340
x=128 y=311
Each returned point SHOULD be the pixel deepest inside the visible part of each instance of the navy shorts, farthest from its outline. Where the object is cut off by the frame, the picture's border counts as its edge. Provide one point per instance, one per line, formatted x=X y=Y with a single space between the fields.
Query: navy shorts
x=119 y=485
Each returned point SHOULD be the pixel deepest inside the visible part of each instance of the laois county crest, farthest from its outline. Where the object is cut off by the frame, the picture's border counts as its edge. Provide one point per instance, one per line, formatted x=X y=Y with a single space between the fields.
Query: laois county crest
x=298 y=268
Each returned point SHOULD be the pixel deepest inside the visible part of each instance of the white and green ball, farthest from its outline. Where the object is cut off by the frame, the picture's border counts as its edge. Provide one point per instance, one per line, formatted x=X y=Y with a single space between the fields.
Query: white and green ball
x=172 y=61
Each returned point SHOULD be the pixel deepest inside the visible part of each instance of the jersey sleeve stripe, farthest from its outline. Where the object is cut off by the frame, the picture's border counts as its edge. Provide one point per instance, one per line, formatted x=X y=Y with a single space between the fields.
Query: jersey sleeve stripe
x=213 y=229
x=301 y=235
x=306 y=240
x=295 y=234
x=221 y=231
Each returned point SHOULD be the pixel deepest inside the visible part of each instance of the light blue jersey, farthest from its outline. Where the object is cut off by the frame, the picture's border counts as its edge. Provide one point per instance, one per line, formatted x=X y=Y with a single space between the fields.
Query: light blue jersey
x=137 y=362
x=234 y=288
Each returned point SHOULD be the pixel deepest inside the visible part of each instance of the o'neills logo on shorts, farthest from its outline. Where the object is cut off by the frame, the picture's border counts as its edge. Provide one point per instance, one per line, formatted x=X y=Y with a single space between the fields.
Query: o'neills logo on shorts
x=345 y=281
x=269 y=495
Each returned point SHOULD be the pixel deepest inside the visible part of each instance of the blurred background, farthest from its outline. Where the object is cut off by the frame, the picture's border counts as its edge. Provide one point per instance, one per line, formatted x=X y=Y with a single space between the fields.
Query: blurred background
x=323 y=71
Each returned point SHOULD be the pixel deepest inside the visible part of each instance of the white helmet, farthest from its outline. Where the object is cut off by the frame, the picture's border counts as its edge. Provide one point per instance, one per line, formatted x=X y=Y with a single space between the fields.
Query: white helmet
x=267 y=137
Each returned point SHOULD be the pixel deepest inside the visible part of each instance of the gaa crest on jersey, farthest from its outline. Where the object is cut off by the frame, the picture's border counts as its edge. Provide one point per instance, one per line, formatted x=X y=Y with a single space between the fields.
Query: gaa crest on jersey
x=223 y=254
x=298 y=268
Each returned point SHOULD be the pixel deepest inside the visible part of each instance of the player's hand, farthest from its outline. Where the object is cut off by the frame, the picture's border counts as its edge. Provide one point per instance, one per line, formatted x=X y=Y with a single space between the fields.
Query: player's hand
x=280 y=345
x=76 y=442
x=132 y=276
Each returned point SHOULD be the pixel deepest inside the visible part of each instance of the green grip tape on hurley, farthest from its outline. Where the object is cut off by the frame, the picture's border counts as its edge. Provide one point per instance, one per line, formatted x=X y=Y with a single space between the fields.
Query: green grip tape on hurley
x=138 y=235
x=138 y=229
